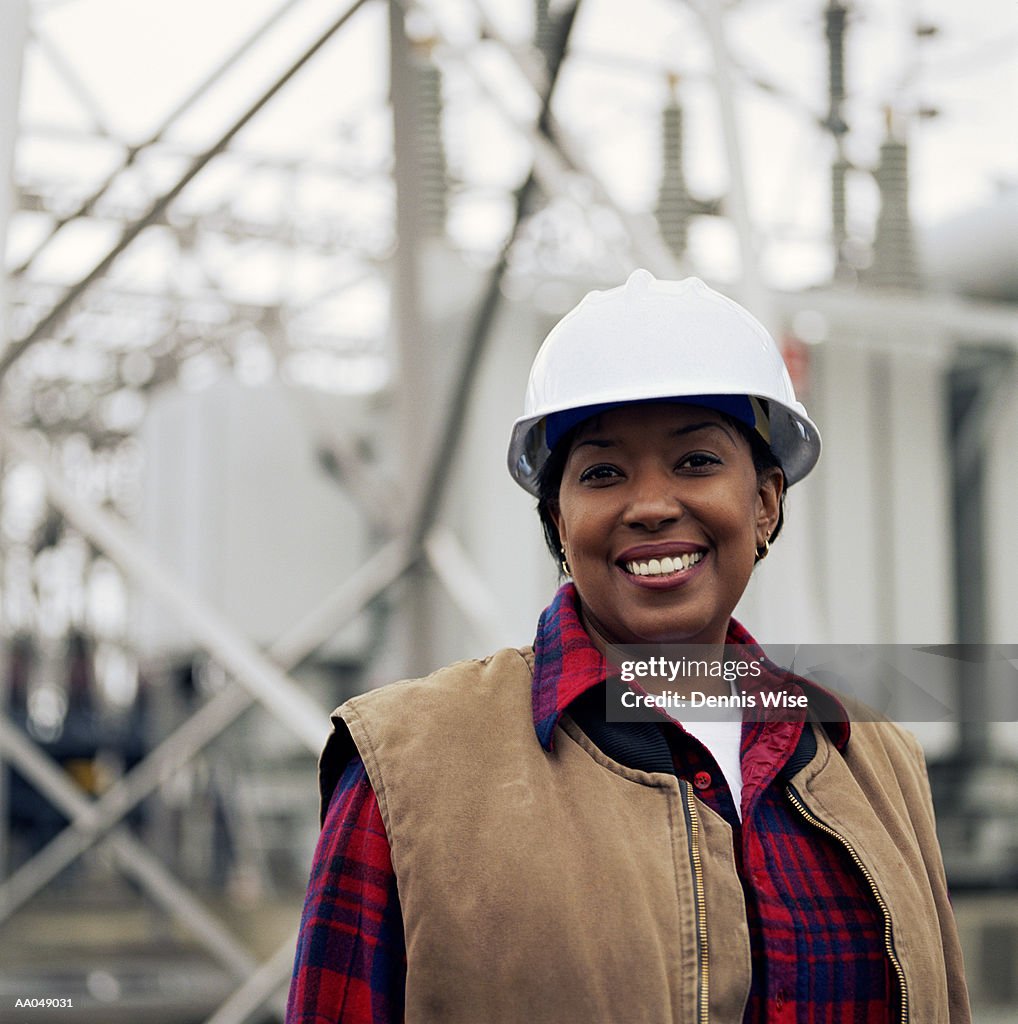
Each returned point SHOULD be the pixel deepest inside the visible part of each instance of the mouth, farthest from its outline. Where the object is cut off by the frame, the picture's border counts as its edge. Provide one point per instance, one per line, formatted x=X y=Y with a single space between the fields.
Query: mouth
x=662 y=566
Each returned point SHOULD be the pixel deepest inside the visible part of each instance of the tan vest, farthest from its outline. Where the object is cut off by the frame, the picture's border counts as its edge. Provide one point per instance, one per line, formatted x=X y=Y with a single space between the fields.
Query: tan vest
x=564 y=887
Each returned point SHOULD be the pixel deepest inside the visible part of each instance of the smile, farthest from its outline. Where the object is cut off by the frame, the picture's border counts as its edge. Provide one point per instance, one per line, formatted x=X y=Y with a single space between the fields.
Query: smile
x=663 y=566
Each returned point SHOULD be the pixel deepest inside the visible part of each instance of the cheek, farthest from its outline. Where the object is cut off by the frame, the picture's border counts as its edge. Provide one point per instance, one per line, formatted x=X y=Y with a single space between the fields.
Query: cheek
x=737 y=519
x=572 y=524
x=581 y=523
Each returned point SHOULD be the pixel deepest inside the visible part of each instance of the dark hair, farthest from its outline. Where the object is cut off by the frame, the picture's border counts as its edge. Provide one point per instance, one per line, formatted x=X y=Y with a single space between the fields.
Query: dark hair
x=549 y=480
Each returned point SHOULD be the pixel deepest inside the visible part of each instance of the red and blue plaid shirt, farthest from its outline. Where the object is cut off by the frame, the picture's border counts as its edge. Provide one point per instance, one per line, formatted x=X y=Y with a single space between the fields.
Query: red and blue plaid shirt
x=816 y=933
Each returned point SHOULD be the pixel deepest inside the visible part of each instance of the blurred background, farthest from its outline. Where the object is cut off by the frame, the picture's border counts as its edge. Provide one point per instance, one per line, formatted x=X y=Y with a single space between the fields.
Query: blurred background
x=275 y=273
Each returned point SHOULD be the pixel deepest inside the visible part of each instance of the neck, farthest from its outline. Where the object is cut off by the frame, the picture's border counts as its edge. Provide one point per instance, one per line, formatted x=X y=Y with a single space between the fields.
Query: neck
x=676 y=667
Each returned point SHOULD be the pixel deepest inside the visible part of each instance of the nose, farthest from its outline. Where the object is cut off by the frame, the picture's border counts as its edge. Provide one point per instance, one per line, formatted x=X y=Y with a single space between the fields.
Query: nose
x=652 y=502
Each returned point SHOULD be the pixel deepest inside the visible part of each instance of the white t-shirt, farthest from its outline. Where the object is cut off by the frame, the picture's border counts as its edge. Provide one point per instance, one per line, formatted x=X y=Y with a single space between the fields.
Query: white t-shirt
x=720 y=731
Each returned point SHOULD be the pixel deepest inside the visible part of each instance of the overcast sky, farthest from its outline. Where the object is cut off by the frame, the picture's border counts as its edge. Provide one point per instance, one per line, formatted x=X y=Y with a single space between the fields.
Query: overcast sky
x=126 y=65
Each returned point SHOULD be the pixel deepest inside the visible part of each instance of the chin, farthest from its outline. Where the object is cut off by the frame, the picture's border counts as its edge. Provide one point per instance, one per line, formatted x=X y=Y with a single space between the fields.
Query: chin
x=667 y=632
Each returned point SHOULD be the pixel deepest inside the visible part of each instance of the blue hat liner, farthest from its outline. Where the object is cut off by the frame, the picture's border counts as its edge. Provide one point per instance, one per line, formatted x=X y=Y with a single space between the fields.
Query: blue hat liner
x=739 y=407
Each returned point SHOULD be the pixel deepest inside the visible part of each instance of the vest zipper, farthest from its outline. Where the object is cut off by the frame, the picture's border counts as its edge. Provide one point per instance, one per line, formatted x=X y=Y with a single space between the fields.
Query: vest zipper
x=693 y=831
x=797 y=803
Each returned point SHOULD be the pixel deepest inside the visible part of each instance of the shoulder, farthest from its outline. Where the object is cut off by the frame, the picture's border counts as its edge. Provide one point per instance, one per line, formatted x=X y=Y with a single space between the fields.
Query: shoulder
x=884 y=764
x=888 y=750
x=882 y=758
x=462 y=680
x=876 y=737
x=861 y=730
x=416 y=713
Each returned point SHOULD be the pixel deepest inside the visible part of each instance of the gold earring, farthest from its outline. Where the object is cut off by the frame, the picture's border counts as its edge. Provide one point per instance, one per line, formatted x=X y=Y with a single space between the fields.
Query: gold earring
x=564 y=562
x=763 y=550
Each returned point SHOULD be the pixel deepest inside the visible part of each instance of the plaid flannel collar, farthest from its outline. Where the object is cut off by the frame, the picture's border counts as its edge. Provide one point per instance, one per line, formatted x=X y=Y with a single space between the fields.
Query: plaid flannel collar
x=567 y=664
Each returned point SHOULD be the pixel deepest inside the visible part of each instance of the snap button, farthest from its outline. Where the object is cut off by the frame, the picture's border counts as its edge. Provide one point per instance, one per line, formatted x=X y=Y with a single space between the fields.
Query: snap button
x=701 y=780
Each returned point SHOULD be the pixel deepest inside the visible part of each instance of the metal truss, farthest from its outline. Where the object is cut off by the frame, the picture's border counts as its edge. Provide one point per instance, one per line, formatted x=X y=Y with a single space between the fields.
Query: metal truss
x=262 y=677
x=86 y=206
x=159 y=206
x=254 y=676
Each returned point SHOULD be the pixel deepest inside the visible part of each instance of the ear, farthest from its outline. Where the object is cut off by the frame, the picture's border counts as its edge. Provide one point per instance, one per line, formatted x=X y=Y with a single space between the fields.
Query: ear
x=556 y=517
x=770 y=487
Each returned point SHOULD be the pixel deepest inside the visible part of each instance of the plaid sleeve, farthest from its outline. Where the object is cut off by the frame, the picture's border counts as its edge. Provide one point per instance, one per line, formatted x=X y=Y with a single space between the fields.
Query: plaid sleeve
x=350 y=966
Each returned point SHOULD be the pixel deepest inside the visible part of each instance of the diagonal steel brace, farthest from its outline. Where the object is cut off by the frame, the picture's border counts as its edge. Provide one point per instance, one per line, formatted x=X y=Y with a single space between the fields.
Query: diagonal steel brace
x=133 y=857
x=159 y=206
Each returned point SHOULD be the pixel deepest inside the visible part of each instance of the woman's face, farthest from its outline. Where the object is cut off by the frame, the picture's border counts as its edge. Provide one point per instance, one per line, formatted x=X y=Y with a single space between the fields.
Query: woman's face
x=660 y=512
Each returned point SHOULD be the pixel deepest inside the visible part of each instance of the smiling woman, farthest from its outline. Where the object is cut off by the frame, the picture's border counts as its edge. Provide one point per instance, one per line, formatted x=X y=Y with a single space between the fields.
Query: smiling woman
x=496 y=848
x=660 y=513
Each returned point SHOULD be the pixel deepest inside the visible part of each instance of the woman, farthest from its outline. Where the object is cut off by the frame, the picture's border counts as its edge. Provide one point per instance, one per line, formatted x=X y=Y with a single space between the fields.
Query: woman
x=495 y=848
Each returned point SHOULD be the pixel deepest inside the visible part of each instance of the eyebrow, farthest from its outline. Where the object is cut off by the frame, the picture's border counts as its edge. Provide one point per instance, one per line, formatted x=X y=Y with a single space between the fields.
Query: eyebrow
x=599 y=442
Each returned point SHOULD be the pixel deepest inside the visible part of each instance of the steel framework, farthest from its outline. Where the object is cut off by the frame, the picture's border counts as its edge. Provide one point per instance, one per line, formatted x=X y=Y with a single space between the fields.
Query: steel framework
x=254 y=675
x=411 y=540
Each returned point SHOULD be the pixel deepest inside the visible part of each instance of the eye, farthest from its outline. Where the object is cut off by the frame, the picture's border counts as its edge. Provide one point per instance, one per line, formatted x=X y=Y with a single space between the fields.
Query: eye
x=699 y=461
x=601 y=472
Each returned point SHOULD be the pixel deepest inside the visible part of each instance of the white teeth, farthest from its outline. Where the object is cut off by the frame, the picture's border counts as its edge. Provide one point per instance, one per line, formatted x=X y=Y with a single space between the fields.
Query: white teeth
x=664 y=566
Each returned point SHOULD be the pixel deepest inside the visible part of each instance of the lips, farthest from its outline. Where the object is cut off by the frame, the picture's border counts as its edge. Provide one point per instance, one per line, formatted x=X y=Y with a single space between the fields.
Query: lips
x=660 y=562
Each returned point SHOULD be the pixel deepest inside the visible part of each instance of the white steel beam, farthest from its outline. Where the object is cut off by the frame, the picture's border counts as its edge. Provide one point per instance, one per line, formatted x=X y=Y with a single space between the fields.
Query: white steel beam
x=133 y=858
x=12 y=45
x=737 y=199
x=261 y=678
x=159 y=206
x=288 y=702
x=185 y=742
x=464 y=584
x=259 y=989
x=899 y=321
x=132 y=153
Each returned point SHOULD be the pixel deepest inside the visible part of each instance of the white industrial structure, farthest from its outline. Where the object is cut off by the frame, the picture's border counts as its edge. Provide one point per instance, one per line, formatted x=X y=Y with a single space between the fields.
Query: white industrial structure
x=254 y=453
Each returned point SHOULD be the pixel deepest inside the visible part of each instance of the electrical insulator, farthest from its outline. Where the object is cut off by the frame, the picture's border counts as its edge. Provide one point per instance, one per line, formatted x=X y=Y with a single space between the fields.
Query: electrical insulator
x=431 y=148
x=545 y=31
x=894 y=258
x=836 y=16
x=675 y=206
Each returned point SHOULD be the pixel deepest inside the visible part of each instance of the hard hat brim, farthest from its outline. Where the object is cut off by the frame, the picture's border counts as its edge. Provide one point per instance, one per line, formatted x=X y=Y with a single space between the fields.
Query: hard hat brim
x=795 y=440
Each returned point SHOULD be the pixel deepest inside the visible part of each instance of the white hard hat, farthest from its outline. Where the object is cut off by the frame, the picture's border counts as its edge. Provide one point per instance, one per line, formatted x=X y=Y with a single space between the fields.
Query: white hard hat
x=651 y=340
